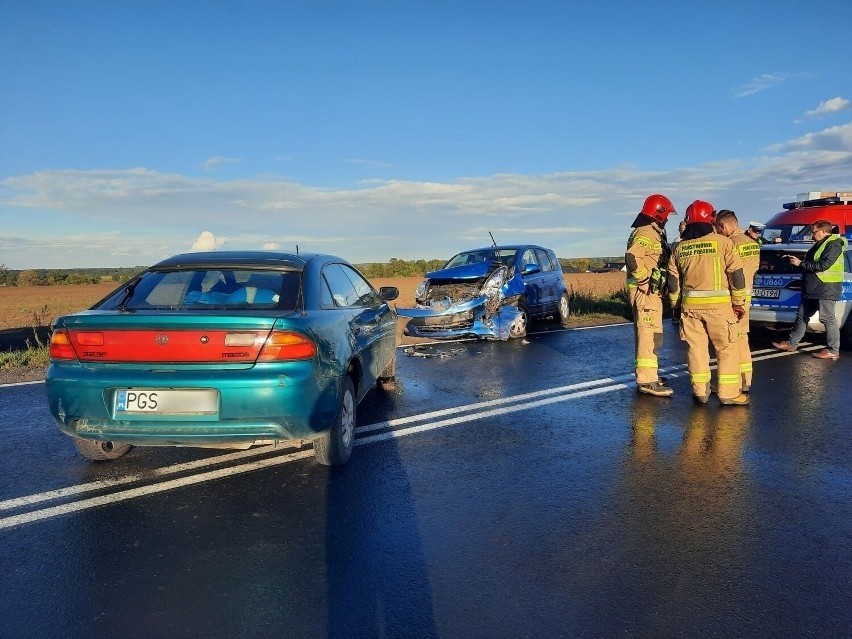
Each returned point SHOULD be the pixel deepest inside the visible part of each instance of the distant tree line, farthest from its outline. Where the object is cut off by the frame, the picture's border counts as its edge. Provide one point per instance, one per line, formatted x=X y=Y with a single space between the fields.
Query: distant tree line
x=49 y=277
x=394 y=268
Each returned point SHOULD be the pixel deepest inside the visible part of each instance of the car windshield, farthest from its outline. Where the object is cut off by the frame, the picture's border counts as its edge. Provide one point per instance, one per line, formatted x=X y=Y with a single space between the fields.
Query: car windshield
x=207 y=288
x=772 y=263
x=788 y=234
x=506 y=256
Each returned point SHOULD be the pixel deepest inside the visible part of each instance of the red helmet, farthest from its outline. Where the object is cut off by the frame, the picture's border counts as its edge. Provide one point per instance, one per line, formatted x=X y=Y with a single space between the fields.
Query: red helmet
x=658 y=207
x=700 y=211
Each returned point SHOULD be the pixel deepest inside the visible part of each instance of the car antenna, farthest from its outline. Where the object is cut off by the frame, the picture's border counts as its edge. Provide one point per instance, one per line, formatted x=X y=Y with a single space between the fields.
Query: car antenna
x=493 y=243
x=297 y=249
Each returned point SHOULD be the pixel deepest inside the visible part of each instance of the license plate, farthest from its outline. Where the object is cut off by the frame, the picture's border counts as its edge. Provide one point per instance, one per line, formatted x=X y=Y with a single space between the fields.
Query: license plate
x=163 y=401
x=771 y=293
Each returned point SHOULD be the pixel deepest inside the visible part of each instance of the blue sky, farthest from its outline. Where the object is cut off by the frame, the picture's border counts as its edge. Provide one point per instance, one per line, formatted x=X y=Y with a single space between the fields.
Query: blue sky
x=134 y=130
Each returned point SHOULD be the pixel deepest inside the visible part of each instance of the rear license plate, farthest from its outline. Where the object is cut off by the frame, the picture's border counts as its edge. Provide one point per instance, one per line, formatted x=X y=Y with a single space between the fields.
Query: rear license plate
x=162 y=401
x=771 y=293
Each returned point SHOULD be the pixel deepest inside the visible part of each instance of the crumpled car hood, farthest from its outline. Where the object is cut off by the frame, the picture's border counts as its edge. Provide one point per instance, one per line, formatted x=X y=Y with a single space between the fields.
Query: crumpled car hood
x=465 y=272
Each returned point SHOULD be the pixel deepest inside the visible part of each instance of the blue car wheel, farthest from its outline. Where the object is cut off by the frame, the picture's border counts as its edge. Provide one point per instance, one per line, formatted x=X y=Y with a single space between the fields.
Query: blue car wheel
x=518 y=328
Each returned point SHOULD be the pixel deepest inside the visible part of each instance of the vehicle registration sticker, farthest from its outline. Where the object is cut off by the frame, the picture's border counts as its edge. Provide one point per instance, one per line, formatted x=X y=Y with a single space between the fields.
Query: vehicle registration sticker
x=163 y=401
x=771 y=293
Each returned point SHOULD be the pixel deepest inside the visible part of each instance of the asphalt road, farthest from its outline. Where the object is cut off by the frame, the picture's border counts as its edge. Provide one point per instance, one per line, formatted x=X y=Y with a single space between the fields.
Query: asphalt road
x=518 y=489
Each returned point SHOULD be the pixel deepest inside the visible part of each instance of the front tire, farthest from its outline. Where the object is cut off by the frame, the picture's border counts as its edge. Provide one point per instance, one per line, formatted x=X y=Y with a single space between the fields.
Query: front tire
x=518 y=328
x=334 y=447
x=100 y=450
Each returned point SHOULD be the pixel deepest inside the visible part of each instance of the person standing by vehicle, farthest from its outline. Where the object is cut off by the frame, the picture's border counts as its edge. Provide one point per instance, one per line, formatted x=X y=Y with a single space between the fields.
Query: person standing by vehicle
x=705 y=276
x=749 y=251
x=822 y=281
x=646 y=258
x=755 y=232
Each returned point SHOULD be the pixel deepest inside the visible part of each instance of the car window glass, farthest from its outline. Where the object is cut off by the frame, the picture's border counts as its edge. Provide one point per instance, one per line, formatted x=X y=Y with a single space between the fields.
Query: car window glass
x=367 y=296
x=326 y=299
x=506 y=256
x=528 y=258
x=342 y=290
x=849 y=261
x=771 y=263
x=203 y=289
x=544 y=260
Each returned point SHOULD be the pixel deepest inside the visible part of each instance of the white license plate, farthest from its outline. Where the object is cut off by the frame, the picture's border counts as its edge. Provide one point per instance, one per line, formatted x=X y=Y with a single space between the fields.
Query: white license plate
x=163 y=401
x=771 y=293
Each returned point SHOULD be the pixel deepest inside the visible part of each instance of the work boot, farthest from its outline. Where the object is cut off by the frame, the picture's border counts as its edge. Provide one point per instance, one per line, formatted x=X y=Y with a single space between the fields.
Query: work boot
x=745 y=389
x=826 y=354
x=739 y=400
x=655 y=388
x=701 y=399
x=785 y=346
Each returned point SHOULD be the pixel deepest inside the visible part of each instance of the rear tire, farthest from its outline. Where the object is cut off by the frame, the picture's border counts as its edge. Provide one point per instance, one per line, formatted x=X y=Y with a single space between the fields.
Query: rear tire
x=564 y=309
x=518 y=328
x=334 y=447
x=100 y=450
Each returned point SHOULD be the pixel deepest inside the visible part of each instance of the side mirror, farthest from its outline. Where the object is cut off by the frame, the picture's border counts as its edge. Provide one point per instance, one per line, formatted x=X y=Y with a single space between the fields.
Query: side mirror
x=388 y=293
x=531 y=269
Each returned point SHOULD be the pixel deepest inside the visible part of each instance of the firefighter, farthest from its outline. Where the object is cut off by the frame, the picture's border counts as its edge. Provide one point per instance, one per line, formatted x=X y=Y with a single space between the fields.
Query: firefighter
x=646 y=258
x=705 y=277
x=749 y=251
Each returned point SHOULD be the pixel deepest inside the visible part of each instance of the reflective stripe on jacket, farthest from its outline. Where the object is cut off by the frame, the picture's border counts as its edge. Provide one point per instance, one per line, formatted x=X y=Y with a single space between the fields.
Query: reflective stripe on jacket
x=706 y=273
x=644 y=248
x=749 y=251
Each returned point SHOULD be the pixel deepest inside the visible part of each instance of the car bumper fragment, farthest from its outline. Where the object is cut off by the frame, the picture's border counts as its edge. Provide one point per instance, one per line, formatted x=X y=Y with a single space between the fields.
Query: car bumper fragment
x=459 y=321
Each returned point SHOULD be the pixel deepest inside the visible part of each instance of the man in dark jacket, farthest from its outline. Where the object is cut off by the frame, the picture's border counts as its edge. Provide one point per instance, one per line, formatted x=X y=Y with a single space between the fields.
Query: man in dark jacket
x=822 y=281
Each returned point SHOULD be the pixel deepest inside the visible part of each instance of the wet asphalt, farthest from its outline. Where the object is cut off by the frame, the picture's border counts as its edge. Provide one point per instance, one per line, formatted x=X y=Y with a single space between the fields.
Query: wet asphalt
x=517 y=489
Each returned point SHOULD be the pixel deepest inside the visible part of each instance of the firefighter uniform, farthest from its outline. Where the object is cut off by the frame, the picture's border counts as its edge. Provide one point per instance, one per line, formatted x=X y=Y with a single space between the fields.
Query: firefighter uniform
x=647 y=250
x=749 y=252
x=706 y=275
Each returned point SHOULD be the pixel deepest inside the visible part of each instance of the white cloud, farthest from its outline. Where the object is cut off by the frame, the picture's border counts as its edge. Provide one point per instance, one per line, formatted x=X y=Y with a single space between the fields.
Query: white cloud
x=271 y=246
x=217 y=160
x=207 y=242
x=137 y=216
x=834 y=105
x=765 y=81
x=835 y=139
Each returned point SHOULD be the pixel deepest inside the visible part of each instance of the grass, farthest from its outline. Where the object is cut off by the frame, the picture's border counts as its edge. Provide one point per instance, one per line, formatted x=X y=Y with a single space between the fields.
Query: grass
x=30 y=356
x=615 y=305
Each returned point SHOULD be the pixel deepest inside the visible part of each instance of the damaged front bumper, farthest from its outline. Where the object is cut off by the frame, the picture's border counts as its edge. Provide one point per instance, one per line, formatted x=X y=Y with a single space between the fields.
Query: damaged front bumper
x=469 y=318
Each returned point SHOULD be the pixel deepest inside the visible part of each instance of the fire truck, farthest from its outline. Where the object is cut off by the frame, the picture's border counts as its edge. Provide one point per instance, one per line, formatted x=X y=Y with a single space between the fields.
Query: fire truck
x=777 y=287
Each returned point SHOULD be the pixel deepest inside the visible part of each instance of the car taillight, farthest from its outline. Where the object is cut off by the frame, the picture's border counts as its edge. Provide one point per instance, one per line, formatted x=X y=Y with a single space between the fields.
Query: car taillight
x=286 y=345
x=60 y=346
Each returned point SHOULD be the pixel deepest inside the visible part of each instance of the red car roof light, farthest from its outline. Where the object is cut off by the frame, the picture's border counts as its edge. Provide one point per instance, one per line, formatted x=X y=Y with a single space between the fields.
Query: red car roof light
x=60 y=346
x=287 y=345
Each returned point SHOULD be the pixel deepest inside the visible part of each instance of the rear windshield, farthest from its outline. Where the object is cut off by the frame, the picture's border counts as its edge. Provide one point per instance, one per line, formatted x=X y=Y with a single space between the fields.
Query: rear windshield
x=201 y=289
x=771 y=263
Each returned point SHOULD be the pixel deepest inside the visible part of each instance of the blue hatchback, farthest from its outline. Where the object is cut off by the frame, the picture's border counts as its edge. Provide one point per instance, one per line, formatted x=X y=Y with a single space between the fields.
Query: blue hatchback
x=490 y=293
x=224 y=349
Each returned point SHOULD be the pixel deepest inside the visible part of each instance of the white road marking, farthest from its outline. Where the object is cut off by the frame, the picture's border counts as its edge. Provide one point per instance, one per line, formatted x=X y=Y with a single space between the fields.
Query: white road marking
x=461 y=414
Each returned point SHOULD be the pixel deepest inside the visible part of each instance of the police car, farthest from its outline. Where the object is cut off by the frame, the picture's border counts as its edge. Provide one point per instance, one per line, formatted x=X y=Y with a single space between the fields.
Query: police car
x=777 y=288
